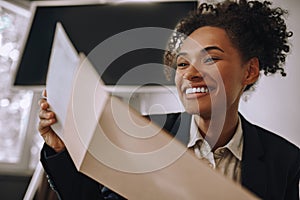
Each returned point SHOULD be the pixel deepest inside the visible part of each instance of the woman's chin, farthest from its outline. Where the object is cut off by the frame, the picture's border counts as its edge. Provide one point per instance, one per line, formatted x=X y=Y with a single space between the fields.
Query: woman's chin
x=195 y=110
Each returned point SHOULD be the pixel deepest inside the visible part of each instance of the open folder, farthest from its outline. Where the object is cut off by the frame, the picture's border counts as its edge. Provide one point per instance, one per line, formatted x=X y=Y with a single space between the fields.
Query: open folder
x=114 y=145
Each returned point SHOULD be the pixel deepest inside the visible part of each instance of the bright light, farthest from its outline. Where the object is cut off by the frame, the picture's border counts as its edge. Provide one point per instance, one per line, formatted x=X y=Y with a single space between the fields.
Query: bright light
x=6 y=49
x=4 y=102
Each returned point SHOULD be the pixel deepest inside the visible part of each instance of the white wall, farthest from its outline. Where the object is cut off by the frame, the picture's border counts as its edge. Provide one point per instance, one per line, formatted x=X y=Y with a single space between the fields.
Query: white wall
x=275 y=103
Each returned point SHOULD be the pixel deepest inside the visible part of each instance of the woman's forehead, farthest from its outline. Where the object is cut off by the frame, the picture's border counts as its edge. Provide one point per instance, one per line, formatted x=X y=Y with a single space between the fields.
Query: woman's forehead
x=204 y=38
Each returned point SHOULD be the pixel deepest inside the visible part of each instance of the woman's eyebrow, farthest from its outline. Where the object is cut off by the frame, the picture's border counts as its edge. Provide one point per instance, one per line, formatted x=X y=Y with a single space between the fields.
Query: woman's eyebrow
x=202 y=51
x=209 y=48
x=181 y=54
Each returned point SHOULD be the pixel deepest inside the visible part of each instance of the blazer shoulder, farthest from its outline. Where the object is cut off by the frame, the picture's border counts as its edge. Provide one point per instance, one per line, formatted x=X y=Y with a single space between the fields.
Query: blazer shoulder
x=271 y=142
x=275 y=139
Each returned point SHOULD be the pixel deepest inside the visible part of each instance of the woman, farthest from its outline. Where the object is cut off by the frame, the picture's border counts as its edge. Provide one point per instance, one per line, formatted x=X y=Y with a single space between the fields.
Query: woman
x=227 y=46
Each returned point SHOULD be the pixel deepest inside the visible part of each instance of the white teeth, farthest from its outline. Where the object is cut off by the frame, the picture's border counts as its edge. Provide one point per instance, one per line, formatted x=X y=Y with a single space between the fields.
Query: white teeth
x=195 y=90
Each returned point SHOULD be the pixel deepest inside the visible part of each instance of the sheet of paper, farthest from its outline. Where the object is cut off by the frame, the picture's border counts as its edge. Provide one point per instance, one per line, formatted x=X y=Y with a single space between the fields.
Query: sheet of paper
x=64 y=62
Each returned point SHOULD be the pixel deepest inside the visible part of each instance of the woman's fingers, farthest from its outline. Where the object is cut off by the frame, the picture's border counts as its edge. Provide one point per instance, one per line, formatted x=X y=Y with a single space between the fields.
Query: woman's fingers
x=43 y=104
x=48 y=118
x=44 y=93
x=45 y=124
x=45 y=114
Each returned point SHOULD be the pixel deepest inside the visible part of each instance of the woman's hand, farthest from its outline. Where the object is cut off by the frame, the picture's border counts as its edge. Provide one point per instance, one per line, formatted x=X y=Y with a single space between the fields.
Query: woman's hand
x=47 y=118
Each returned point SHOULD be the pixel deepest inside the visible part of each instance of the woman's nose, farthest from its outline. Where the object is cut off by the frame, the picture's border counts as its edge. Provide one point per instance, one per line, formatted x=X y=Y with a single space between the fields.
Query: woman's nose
x=193 y=74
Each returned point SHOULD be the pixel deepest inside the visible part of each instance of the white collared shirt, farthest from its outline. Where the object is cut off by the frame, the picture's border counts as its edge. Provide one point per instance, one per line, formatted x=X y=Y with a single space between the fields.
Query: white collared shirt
x=226 y=159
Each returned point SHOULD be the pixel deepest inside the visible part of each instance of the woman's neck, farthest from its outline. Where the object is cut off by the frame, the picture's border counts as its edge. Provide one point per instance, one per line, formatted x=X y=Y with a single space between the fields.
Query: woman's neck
x=218 y=130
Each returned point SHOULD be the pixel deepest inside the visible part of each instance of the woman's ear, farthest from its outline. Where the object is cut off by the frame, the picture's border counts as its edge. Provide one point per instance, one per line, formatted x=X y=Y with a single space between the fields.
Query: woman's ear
x=252 y=71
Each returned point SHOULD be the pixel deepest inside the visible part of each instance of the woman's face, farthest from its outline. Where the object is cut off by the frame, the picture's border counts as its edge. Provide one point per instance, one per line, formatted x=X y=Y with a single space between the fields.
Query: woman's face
x=210 y=73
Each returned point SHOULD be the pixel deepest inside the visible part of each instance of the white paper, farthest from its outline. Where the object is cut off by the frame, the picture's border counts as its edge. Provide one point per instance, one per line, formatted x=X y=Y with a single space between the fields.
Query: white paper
x=64 y=62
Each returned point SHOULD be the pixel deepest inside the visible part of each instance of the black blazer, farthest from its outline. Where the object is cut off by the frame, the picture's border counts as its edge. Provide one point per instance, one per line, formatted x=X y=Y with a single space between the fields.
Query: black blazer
x=270 y=164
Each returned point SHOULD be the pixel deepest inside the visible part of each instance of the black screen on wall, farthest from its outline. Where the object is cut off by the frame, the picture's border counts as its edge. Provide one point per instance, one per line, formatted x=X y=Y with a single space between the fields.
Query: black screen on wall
x=89 y=25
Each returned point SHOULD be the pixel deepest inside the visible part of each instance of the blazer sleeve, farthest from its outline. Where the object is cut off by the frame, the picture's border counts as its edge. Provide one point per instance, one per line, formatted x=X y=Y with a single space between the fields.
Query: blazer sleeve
x=67 y=182
x=64 y=179
x=292 y=191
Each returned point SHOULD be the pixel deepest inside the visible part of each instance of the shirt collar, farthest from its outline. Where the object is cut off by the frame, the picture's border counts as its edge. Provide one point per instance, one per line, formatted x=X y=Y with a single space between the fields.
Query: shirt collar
x=235 y=145
x=194 y=133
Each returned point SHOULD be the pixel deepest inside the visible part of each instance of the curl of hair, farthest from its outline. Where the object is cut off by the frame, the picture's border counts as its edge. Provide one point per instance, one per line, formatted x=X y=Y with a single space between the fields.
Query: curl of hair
x=254 y=28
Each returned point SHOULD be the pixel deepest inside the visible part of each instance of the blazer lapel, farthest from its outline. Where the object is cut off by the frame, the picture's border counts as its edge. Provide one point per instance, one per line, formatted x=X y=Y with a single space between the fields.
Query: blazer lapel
x=253 y=167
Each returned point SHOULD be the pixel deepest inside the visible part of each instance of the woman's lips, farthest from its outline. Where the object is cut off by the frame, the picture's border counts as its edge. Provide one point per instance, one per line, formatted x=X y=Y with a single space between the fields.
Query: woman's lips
x=196 y=92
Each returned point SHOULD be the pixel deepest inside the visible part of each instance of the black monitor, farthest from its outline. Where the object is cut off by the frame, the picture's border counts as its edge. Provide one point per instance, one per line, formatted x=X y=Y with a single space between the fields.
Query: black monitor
x=88 y=25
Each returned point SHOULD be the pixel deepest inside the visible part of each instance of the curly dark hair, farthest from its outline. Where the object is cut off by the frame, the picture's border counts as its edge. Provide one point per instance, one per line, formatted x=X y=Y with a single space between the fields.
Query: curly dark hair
x=254 y=28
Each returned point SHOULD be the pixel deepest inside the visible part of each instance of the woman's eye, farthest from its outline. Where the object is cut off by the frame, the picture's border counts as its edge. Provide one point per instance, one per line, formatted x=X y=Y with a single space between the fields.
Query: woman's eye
x=210 y=60
x=182 y=64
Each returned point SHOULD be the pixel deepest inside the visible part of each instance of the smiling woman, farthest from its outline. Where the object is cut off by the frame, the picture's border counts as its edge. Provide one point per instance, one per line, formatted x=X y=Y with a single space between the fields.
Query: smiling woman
x=218 y=52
